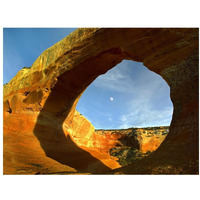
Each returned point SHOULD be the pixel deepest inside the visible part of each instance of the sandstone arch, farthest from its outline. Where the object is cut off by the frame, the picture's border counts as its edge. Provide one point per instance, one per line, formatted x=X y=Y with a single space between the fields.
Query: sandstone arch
x=53 y=85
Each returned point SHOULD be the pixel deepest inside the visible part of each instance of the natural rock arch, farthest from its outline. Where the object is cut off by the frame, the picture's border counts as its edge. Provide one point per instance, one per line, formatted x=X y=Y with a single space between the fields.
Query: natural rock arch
x=60 y=75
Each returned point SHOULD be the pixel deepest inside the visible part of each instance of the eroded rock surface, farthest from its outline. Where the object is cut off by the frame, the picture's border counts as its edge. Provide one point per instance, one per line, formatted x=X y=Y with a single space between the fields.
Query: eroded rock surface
x=130 y=145
x=42 y=131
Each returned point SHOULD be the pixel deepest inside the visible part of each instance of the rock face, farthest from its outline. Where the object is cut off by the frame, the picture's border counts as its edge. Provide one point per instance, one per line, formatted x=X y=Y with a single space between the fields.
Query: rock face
x=143 y=139
x=130 y=145
x=42 y=130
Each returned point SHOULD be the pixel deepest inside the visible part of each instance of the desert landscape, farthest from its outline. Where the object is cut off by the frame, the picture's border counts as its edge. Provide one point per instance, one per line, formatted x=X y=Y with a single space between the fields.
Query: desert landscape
x=43 y=133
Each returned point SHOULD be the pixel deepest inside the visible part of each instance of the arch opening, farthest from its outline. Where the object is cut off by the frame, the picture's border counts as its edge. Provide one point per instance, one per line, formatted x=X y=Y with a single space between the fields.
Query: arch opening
x=128 y=95
x=131 y=103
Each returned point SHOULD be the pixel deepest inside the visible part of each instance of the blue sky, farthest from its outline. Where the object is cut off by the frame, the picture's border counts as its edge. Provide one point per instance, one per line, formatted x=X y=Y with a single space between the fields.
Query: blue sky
x=129 y=95
x=22 y=46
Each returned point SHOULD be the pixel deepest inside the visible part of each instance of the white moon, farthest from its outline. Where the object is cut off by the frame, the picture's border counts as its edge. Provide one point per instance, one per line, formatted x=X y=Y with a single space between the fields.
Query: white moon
x=111 y=98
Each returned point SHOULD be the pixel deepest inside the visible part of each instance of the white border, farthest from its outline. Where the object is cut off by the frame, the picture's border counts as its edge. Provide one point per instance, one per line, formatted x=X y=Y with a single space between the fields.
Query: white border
x=104 y=13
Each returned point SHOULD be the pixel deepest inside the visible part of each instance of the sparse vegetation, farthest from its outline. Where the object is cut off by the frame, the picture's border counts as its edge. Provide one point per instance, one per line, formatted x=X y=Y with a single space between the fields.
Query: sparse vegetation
x=127 y=155
x=26 y=67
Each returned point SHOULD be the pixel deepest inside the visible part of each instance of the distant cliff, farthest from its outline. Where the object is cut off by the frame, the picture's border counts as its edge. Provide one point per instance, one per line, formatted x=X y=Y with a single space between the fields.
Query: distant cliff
x=132 y=144
x=127 y=145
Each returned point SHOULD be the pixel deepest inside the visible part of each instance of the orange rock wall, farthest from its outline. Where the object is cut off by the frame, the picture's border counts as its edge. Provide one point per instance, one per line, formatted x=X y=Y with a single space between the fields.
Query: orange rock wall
x=85 y=135
x=148 y=140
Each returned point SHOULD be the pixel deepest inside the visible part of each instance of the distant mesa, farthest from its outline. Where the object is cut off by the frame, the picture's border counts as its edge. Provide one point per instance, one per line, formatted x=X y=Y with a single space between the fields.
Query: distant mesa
x=44 y=134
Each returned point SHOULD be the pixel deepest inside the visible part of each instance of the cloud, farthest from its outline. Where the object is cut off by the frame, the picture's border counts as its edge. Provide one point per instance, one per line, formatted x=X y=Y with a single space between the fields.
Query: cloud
x=116 y=79
x=144 y=110
x=146 y=118
x=110 y=119
x=122 y=79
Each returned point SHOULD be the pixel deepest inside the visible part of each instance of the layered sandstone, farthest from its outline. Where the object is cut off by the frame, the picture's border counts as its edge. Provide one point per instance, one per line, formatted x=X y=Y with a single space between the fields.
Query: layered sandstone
x=42 y=131
x=143 y=139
